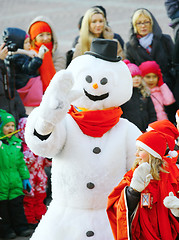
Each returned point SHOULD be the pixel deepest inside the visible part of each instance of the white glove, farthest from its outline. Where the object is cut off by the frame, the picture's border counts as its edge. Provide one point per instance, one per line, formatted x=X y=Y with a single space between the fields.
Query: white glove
x=172 y=202
x=42 y=50
x=141 y=177
x=56 y=101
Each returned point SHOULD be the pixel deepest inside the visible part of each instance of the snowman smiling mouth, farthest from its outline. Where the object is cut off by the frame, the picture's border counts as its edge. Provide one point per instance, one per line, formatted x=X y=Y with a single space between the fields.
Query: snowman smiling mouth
x=95 y=97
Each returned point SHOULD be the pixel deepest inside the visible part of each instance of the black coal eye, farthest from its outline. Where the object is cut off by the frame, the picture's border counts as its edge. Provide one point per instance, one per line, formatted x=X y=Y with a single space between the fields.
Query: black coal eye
x=88 y=79
x=103 y=81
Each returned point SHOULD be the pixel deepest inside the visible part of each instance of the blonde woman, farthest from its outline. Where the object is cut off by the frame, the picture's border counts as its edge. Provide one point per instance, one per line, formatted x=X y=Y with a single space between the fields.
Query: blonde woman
x=139 y=208
x=93 y=26
x=148 y=43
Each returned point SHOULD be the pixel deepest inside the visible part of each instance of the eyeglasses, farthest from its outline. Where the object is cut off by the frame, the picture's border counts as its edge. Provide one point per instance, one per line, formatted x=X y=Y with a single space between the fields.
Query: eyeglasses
x=143 y=23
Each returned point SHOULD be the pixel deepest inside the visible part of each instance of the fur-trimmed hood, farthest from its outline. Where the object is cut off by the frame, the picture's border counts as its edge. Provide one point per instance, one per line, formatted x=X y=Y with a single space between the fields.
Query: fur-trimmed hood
x=46 y=20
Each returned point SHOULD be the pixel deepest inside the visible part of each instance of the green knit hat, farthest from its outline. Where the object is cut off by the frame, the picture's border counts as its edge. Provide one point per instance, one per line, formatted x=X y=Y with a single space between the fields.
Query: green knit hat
x=5 y=118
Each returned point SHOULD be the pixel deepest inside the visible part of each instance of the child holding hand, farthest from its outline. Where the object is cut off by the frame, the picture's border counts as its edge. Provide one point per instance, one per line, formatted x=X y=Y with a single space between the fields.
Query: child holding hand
x=14 y=177
x=160 y=93
x=141 y=206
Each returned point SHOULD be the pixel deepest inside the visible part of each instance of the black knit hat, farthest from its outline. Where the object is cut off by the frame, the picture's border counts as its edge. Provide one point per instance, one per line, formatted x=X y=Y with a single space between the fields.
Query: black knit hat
x=105 y=49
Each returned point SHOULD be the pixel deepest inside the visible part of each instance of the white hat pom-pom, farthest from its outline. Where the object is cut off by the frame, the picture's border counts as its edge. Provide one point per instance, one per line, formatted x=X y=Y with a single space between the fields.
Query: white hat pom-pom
x=173 y=153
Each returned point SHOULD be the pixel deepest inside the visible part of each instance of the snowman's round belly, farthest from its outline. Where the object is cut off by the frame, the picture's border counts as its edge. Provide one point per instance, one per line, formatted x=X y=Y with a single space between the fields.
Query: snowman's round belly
x=84 y=224
x=85 y=185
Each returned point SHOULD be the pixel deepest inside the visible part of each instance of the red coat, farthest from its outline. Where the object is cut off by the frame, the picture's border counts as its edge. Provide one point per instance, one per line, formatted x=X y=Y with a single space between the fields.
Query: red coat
x=152 y=223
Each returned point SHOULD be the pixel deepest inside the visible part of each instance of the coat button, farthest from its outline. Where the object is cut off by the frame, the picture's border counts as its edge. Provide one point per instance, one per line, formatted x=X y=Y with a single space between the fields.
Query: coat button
x=89 y=233
x=90 y=185
x=96 y=150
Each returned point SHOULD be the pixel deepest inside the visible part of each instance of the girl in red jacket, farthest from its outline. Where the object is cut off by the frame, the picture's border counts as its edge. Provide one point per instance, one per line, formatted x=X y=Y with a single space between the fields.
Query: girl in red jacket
x=145 y=205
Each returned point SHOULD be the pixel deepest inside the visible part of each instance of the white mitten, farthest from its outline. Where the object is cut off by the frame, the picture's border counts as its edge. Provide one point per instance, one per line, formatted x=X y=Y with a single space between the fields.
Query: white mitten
x=172 y=202
x=42 y=50
x=56 y=101
x=141 y=177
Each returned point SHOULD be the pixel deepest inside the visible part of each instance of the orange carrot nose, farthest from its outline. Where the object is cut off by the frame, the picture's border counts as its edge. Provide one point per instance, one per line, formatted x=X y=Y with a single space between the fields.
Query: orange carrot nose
x=95 y=85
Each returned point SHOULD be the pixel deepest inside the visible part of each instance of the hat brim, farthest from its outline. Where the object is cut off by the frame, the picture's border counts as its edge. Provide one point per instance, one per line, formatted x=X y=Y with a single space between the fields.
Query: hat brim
x=103 y=57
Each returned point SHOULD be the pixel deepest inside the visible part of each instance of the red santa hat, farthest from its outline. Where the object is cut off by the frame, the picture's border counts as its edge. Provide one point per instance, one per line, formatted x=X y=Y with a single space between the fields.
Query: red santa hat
x=155 y=143
x=165 y=126
x=134 y=69
x=177 y=115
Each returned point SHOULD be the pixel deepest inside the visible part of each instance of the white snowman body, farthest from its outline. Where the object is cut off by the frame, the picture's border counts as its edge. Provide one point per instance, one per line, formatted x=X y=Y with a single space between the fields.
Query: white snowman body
x=85 y=169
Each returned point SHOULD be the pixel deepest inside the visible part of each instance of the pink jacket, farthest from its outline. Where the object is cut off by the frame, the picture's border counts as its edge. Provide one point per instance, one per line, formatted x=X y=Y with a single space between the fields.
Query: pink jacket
x=161 y=96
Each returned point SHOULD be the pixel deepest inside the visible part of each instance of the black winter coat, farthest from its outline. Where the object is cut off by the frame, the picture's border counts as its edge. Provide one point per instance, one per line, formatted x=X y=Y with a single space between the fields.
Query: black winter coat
x=139 y=110
x=25 y=68
x=162 y=51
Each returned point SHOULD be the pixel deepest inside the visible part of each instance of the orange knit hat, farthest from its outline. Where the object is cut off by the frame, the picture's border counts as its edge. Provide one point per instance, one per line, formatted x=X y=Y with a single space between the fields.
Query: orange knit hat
x=37 y=28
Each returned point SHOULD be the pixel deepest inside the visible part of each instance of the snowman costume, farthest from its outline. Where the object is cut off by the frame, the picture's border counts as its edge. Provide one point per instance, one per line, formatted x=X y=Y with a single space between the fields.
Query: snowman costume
x=87 y=163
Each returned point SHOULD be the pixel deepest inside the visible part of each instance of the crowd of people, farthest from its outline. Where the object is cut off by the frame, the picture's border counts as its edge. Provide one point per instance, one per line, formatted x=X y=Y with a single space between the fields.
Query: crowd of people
x=28 y=61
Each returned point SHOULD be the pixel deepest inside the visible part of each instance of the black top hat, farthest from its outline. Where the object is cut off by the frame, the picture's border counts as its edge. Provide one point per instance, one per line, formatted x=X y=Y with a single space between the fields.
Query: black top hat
x=105 y=49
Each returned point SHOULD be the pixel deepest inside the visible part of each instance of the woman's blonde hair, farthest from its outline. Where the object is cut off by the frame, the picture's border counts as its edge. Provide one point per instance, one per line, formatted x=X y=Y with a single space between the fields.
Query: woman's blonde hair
x=86 y=36
x=157 y=166
x=137 y=14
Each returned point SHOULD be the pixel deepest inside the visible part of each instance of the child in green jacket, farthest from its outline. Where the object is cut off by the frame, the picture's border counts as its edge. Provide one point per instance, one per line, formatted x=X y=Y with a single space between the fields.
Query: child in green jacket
x=14 y=177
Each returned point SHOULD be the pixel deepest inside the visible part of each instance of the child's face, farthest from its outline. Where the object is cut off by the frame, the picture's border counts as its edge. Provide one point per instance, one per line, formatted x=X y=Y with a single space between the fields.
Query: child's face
x=44 y=37
x=151 y=80
x=27 y=44
x=142 y=155
x=137 y=81
x=9 y=128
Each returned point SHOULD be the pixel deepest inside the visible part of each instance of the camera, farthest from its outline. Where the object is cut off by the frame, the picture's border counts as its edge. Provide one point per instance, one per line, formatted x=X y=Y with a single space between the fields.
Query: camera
x=12 y=47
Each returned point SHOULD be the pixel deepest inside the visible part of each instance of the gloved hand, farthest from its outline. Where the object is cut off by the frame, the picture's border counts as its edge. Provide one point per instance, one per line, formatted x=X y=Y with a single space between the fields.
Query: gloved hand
x=56 y=101
x=141 y=177
x=26 y=185
x=42 y=50
x=172 y=202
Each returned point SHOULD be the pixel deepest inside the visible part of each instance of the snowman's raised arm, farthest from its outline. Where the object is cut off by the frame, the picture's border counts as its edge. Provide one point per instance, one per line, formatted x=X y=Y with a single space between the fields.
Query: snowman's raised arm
x=46 y=120
x=55 y=102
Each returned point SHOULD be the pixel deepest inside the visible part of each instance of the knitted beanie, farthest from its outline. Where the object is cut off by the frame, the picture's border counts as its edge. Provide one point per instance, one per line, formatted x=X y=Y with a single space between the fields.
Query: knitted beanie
x=5 y=118
x=165 y=126
x=177 y=115
x=155 y=143
x=39 y=27
x=134 y=69
x=151 y=67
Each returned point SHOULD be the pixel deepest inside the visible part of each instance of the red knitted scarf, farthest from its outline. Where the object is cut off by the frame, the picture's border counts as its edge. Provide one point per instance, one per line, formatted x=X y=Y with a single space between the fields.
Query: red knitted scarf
x=47 y=69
